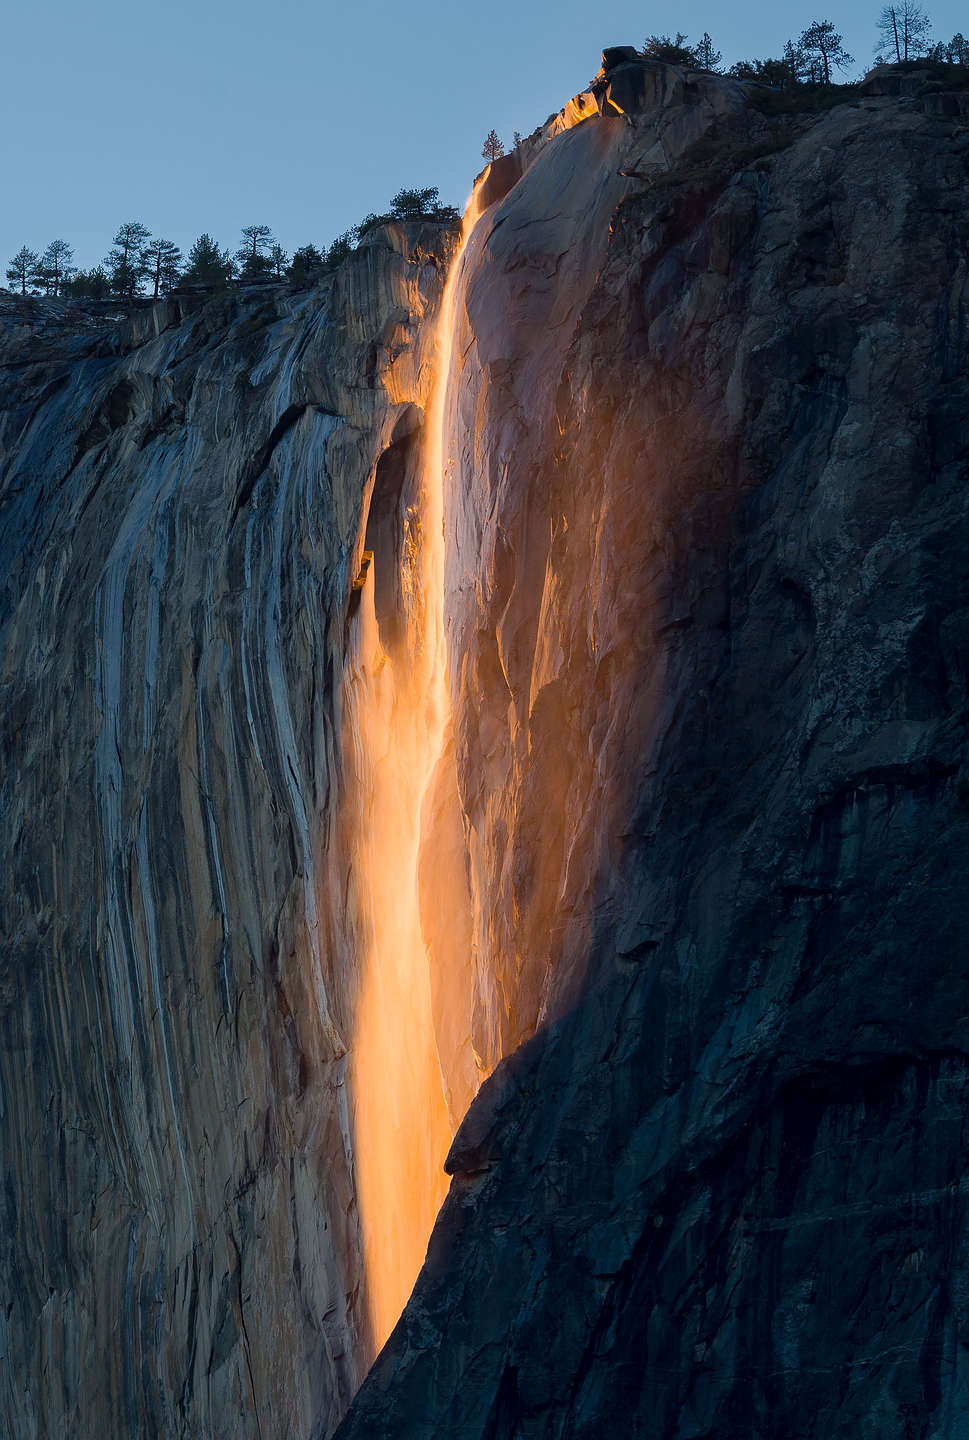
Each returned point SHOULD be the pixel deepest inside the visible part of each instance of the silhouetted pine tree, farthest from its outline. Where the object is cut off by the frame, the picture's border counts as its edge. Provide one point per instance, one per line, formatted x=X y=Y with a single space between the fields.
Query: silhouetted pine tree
x=821 y=46
x=125 y=263
x=22 y=268
x=207 y=264
x=163 y=260
x=55 y=265
x=492 y=147
x=251 y=256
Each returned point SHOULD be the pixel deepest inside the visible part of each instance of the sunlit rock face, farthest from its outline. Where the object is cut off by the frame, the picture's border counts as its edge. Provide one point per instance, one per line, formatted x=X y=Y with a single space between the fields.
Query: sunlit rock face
x=708 y=605
x=181 y=519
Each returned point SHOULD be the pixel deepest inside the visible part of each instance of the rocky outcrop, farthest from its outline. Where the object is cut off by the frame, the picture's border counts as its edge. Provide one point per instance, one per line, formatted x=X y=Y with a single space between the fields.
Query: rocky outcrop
x=941 y=91
x=180 y=526
x=708 y=591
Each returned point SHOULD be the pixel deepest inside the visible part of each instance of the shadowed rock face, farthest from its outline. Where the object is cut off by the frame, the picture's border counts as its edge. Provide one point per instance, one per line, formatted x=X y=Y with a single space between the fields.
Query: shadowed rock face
x=709 y=608
x=180 y=529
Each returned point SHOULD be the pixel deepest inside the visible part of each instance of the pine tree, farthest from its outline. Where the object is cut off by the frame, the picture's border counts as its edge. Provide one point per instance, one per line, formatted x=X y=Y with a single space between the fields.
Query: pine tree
x=957 y=50
x=671 y=49
x=207 y=264
x=904 y=28
x=87 y=284
x=162 y=259
x=54 y=266
x=800 y=67
x=821 y=46
x=371 y=221
x=307 y=261
x=781 y=74
x=948 y=52
x=251 y=255
x=278 y=259
x=492 y=147
x=22 y=267
x=705 y=55
x=339 y=250
x=413 y=204
x=125 y=262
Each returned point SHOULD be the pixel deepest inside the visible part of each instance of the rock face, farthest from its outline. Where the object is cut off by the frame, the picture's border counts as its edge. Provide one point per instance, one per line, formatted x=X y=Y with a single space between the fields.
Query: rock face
x=694 y=875
x=180 y=527
x=709 y=606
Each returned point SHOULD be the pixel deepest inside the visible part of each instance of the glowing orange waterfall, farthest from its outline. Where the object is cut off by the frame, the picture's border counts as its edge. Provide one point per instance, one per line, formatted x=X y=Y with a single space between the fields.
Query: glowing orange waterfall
x=396 y=707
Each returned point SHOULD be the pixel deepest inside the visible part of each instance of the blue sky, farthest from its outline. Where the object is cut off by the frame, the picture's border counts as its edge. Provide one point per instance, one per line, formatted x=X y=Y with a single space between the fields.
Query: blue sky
x=210 y=116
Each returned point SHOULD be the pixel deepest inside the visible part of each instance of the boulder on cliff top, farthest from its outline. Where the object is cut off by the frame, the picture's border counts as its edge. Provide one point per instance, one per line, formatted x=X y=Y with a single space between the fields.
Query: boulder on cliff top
x=615 y=55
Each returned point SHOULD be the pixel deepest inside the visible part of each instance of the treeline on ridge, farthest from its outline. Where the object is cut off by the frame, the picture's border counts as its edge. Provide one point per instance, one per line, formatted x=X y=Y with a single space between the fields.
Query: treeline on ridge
x=140 y=264
x=812 y=59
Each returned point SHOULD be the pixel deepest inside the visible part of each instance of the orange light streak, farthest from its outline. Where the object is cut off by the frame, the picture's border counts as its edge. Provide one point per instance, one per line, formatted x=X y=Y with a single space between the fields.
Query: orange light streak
x=396 y=711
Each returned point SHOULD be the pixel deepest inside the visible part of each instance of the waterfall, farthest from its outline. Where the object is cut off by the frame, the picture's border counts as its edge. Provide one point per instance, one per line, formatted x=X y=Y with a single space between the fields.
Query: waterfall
x=395 y=710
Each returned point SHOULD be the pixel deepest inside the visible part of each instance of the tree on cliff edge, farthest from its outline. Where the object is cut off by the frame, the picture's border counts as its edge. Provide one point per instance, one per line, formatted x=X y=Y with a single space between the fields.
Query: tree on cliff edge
x=251 y=255
x=163 y=259
x=207 y=264
x=821 y=46
x=492 y=147
x=125 y=263
x=414 y=204
x=952 y=52
x=782 y=73
x=87 y=285
x=904 y=28
x=338 y=251
x=670 y=49
x=306 y=261
x=54 y=266
x=22 y=267
x=278 y=259
x=706 y=54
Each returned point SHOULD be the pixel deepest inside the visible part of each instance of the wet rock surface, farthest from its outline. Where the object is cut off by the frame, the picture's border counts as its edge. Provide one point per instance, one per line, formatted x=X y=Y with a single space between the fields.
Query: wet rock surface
x=709 y=598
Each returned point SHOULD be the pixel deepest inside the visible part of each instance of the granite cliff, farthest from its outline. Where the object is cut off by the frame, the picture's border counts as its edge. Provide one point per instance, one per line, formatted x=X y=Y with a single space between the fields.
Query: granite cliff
x=693 y=869
x=182 y=515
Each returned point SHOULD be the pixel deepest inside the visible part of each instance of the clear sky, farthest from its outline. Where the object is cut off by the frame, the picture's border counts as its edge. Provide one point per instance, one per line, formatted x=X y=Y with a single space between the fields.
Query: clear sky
x=197 y=115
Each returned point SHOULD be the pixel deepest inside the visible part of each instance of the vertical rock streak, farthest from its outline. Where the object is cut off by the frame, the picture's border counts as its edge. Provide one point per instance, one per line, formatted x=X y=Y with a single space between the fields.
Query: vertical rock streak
x=396 y=709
